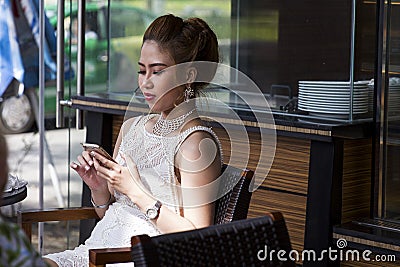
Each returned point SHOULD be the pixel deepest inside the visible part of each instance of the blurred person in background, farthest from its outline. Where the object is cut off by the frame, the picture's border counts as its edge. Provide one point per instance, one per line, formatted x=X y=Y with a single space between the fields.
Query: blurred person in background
x=89 y=33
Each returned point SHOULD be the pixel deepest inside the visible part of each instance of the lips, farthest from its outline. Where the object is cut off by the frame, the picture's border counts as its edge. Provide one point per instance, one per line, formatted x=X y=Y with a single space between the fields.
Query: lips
x=148 y=96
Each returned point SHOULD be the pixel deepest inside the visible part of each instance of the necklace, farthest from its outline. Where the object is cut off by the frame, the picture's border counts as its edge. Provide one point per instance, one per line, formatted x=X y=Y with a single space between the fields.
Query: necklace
x=163 y=127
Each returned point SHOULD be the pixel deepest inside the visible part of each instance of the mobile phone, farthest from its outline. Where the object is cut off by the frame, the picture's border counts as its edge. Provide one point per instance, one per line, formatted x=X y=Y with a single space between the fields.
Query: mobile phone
x=98 y=149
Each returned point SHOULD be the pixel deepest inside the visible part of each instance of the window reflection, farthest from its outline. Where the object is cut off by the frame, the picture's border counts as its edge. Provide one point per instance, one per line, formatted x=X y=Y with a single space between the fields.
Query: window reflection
x=391 y=171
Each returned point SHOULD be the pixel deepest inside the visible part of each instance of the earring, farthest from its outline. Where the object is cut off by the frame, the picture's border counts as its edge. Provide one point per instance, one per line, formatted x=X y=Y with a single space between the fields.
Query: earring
x=189 y=93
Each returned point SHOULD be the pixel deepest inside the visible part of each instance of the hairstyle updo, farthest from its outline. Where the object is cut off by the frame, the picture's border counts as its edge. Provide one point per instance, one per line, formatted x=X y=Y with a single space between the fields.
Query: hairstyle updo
x=185 y=41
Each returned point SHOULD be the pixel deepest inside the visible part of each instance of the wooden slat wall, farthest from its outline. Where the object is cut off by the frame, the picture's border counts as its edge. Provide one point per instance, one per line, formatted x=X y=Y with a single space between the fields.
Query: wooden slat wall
x=289 y=172
x=117 y=122
x=357 y=162
x=293 y=208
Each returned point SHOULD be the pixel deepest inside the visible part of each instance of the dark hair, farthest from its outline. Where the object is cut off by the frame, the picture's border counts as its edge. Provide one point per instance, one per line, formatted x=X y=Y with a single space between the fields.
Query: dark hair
x=185 y=41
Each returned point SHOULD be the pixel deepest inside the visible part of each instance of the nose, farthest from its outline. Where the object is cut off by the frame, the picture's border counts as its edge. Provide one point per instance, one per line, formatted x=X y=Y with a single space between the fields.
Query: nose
x=145 y=82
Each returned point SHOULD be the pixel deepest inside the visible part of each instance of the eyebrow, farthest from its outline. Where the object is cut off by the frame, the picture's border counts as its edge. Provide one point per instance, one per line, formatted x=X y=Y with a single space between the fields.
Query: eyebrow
x=154 y=64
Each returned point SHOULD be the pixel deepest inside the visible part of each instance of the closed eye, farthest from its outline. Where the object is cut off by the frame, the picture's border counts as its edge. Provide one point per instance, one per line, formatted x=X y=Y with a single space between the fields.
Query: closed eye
x=158 y=72
x=143 y=72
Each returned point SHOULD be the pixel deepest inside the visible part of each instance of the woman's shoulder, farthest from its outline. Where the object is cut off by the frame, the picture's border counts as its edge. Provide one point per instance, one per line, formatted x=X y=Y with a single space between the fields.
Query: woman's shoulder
x=199 y=142
x=193 y=134
x=197 y=129
x=132 y=120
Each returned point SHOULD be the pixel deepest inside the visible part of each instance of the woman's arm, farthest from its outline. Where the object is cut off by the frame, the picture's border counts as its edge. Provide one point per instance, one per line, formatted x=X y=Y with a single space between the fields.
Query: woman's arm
x=102 y=199
x=100 y=194
x=199 y=164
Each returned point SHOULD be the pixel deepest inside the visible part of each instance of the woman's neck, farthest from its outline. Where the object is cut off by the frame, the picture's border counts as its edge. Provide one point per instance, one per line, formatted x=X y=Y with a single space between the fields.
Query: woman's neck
x=179 y=110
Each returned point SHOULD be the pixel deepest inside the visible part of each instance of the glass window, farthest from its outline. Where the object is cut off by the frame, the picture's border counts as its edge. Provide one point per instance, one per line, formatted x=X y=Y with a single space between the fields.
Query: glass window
x=304 y=56
x=127 y=26
x=308 y=60
x=390 y=171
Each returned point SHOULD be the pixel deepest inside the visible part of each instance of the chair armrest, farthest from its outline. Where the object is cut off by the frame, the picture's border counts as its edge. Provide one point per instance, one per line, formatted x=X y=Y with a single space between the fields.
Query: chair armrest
x=275 y=215
x=28 y=217
x=101 y=257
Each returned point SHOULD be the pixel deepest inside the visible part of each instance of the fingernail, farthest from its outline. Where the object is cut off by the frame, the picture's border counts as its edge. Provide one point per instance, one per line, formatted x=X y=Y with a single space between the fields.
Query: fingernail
x=92 y=153
x=87 y=167
x=90 y=162
x=73 y=165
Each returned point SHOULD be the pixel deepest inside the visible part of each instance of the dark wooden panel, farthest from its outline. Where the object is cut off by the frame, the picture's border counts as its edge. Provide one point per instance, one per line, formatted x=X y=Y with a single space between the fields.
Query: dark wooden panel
x=117 y=123
x=289 y=170
x=293 y=208
x=357 y=160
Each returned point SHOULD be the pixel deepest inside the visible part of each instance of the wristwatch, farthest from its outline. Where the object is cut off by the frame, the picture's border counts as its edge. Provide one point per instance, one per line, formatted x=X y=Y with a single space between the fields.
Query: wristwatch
x=153 y=211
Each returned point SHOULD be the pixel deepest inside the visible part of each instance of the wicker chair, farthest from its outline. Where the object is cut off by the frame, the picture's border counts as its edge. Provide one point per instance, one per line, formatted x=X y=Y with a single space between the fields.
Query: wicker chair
x=232 y=206
x=239 y=243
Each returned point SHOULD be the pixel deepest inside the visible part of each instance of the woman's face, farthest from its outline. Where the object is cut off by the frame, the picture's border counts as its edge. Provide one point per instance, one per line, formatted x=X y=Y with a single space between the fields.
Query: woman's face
x=157 y=84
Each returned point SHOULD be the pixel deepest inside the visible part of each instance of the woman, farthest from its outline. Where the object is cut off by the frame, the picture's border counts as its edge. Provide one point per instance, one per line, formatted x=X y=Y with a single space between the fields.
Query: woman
x=158 y=154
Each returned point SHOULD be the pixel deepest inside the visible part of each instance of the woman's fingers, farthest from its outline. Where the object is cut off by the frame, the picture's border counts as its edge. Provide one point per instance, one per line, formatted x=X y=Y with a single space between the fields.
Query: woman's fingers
x=105 y=177
x=78 y=168
x=88 y=158
x=104 y=162
x=84 y=162
x=105 y=172
x=73 y=165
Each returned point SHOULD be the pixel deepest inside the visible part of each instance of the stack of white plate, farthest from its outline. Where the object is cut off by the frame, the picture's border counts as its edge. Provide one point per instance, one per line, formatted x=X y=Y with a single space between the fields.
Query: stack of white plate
x=14 y=183
x=393 y=96
x=332 y=98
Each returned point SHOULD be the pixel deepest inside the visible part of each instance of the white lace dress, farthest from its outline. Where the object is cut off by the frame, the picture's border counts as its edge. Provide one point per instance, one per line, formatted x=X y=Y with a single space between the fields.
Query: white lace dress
x=154 y=157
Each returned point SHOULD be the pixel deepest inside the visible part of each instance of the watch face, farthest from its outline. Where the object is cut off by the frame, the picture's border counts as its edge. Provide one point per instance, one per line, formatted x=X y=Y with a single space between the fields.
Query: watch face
x=152 y=213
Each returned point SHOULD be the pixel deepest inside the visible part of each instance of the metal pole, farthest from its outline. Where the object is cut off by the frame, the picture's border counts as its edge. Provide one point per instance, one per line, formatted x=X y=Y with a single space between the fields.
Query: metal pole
x=41 y=117
x=80 y=65
x=60 y=64
x=352 y=55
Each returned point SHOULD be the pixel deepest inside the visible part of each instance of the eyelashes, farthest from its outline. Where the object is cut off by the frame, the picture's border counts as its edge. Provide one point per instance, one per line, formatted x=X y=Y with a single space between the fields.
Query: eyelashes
x=143 y=72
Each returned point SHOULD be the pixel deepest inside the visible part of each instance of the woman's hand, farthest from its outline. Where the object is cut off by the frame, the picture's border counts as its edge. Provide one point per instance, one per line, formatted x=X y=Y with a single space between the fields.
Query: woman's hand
x=123 y=179
x=86 y=170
